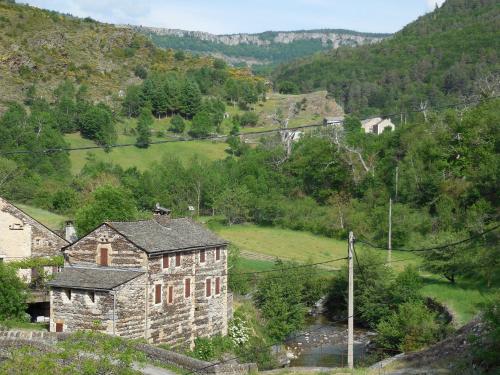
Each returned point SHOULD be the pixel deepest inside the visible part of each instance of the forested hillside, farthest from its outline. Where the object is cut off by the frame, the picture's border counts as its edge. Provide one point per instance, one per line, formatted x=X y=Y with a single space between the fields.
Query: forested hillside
x=441 y=58
x=269 y=47
x=42 y=48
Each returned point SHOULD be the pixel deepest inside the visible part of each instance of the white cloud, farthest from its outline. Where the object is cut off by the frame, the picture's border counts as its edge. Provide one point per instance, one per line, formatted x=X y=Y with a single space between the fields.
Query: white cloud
x=432 y=3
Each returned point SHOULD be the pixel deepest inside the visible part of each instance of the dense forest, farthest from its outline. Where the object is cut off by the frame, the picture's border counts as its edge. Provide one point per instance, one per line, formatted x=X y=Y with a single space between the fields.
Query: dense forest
x=440 y=59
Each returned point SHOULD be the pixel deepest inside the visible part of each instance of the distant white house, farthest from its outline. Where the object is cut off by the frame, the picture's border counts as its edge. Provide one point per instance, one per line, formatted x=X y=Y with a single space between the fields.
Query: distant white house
x=377 y=125
x=333 y=121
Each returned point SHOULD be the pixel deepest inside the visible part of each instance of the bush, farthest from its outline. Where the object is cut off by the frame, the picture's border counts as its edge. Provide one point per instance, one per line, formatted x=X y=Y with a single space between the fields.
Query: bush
x=249 y=119
x=208 y=349
x=412 y=327
x=12 y=294
x=177 y=124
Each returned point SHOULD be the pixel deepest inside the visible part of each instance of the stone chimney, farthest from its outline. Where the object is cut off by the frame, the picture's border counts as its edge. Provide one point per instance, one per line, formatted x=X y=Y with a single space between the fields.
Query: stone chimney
x=70 y=232
x=161 y=214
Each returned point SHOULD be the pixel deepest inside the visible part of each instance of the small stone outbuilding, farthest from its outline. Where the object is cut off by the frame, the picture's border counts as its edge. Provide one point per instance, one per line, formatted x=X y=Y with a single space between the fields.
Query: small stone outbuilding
x=164 y=280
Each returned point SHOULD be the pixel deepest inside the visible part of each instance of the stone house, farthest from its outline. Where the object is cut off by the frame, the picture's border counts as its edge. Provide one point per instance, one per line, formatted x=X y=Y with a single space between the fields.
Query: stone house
x=164 y=280
x=377 y=125
x=22 y=237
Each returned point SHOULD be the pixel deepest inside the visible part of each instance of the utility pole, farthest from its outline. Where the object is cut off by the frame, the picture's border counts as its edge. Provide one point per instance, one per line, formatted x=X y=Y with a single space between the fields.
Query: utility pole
x=350 y=309
x=389 y=242
x=397 y=181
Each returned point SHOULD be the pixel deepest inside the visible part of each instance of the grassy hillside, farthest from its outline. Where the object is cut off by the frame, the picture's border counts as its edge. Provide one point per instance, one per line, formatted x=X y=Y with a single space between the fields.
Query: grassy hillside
x=296 y=245
x=44 y=48
x=143 y=158
x=49 y=219
x=440 y=58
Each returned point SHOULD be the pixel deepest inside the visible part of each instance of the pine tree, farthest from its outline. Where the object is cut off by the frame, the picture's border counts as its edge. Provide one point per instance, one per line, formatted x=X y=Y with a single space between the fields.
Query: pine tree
x=144 y=123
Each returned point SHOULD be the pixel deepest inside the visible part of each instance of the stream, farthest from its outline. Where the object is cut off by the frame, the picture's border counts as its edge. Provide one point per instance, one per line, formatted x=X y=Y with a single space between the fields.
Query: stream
x=326 y=344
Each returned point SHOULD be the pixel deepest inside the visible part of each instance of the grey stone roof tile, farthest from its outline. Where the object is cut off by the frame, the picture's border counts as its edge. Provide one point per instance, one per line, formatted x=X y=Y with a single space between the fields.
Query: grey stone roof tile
x=102 y=278
x=171 y=235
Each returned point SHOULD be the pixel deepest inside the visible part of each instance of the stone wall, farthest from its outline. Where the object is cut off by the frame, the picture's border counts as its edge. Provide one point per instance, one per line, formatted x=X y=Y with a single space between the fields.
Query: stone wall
x=180 y=322
x=45 y=341
x=80 y=313
x=193 y=364
x=121 y=252
x=131 y=308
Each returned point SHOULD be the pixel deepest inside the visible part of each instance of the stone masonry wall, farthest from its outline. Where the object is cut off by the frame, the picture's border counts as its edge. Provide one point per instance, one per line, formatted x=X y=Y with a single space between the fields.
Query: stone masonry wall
x=121 y=252
x=79 y=312
x=131 y=308
x=180 y=322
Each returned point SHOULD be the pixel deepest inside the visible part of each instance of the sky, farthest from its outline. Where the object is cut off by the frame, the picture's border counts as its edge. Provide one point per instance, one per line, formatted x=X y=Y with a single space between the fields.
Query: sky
x=249 y=16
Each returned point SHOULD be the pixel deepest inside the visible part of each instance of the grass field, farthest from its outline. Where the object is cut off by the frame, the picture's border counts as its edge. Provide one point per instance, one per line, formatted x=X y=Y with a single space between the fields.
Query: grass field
x=295 y=245
x=143 y=158
x=464 y=298
x=51 y=220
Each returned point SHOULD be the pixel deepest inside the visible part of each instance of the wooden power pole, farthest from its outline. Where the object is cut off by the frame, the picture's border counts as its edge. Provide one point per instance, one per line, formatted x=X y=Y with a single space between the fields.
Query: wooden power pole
x=350 y=312
x=389 y=241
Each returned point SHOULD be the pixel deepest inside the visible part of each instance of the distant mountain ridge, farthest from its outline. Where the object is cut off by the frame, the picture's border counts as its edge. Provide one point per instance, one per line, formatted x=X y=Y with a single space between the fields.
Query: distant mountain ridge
x=258 y=48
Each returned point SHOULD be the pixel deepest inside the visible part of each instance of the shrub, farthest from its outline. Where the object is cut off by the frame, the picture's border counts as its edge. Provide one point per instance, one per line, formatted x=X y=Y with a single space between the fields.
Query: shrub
x=208 y=349
x=177 y=124
x=249 y=119
x=412 y=327
x=12 y=294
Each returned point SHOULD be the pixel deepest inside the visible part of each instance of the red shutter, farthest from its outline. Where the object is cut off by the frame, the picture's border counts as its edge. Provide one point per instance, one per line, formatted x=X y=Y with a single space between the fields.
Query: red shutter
x=202 y=256
x=187 y=288
x=177 y=259
x=104 y=256
x=59 y=327
x=158 y=293
x=217 y=253
x=209 y=288
x=217 y=285
x=165 y=261
x=170 y=294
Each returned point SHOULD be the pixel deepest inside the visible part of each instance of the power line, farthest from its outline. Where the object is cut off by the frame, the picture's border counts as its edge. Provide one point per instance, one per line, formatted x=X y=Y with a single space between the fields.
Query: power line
x=223 y=137
x=435 y=247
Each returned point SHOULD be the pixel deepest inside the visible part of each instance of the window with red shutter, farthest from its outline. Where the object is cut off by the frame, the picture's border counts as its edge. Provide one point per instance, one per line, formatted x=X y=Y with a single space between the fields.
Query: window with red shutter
x=165 y=261
x=59 y=327
x=177 y=260
x=170 y=294
x=202 y=256
x=187 y=288
x=217 y=285
x=209 y=287
x=217 y=253
x=158 y=293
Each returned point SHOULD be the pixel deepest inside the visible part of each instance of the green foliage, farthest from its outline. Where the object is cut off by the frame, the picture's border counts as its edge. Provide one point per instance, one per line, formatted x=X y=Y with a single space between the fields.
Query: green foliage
x=288 y=87
x=97 y=124
x=107 y=203
x=209 y=349
x=105 y=355
x=249 y=119
x=439 y=58
x=144 y=123
x=39 y=262
x=237 y=282
x=284 y=295
x=273 y=52
x=234 y=204
x=177 y=124
x=412 y=327
x=485 y=348
x=12 y=294
x=201 y=125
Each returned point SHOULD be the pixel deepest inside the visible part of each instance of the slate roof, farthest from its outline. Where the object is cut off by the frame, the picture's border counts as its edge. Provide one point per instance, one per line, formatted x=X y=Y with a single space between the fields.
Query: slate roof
x=171 y=235
x=104 y=278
